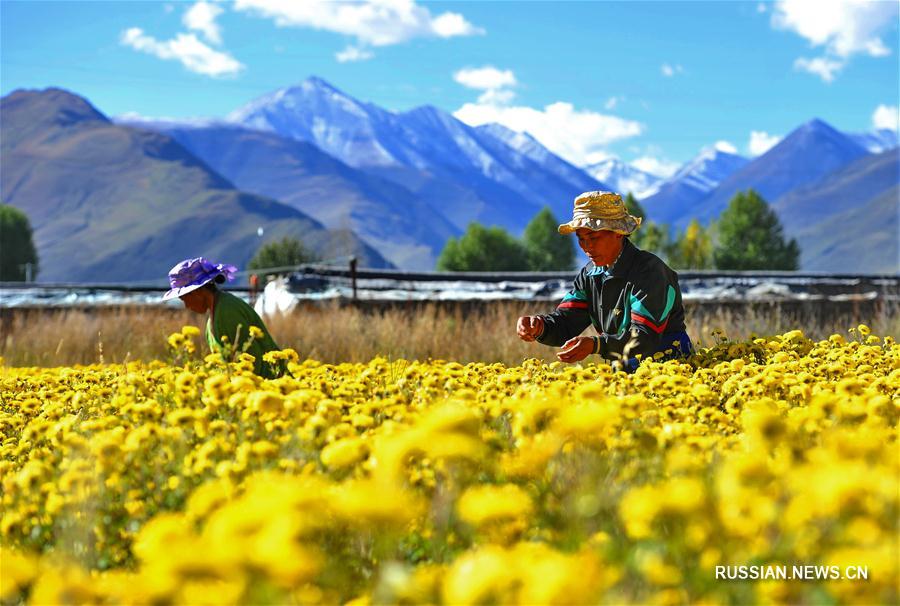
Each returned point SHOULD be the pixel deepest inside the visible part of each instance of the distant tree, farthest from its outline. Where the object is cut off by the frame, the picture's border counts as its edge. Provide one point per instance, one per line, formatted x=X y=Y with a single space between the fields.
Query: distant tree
x=483 y=248
x=751 y=237
x=693 y=248
x=547 y=250
x=281 y=253
x=634 y=207
x=17 y=249
x=653 y=237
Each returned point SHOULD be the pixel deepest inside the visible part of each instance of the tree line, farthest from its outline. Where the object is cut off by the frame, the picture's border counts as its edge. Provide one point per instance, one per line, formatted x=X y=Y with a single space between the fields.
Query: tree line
x=747 y=236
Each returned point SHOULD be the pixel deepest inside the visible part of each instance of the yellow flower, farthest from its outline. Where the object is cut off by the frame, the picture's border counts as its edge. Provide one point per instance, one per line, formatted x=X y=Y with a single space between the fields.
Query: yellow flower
x=344 y=453
x=354 y=502
x=216 y=486
x=267 y=402
x=19 y=570
x=481 y=505
x=657 y=571
x=176 y=340
x=478 y=577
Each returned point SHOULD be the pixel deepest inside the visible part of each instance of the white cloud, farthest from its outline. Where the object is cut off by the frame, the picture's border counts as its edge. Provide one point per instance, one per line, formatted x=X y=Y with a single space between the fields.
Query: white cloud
x=659 y=167
x=372 y=22
x=579 y=136
x=670 y=70
x=185 y=48
x=491 y=80
x=496 y=97
x=448 y=25
x=162 y=121
x=352 y=53
x=761 y=7
x=612 y=102
x=201 y=17
x=844 y=28
x=823 y=67
x=761 y=142
x=886 y=116
x=485 y=78
x=725 y=146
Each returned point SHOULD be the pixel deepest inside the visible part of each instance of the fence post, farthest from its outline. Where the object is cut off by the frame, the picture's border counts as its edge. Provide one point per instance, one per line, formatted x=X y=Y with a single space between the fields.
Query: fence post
x=353 y=276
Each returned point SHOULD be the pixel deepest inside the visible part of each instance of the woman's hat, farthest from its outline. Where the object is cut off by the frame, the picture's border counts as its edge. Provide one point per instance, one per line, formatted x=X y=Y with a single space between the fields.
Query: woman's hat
x=597 y=210
x=191 y=274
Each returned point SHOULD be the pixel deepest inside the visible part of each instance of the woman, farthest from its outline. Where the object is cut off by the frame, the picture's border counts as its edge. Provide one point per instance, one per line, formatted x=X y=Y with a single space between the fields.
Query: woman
x=630 y=296
x=231 y=321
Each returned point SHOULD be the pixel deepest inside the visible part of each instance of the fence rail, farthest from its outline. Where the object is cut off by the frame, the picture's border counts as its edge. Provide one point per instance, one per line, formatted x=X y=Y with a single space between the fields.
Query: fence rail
x=474 y=276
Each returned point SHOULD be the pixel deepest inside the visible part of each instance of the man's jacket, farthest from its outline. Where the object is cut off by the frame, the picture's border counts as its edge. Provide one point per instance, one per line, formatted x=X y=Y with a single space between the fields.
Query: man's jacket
x=638 y=300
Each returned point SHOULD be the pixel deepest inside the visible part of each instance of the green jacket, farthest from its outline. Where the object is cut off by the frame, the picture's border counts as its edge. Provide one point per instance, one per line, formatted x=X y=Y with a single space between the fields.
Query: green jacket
x=232 y=317
x=639 y=297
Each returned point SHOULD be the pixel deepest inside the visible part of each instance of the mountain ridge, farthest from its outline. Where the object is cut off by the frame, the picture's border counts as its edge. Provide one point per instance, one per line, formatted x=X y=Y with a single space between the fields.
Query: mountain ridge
x=456 y=163
x=387 y=216
x=113 y=203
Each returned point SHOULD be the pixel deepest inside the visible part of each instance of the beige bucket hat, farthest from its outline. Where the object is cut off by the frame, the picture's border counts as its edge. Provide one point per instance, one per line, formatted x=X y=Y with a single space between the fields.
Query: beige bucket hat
x=599 y=210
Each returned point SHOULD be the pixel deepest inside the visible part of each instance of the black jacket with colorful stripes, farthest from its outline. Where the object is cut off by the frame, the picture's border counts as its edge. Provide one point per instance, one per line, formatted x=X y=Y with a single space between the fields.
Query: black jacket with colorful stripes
x=639 y=298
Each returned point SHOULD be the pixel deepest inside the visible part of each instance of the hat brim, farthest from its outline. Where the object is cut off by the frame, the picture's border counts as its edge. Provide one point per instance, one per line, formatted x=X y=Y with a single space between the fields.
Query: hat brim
x=625 y=226
x=183 y=290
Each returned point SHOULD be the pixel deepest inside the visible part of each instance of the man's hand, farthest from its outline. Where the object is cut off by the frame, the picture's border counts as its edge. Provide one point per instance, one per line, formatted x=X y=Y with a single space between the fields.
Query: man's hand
x=529 y=328
x=576 y=349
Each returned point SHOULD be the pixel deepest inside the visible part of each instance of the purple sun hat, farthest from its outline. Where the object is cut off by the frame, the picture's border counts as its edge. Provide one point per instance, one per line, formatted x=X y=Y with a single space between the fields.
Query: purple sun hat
x=191 y=274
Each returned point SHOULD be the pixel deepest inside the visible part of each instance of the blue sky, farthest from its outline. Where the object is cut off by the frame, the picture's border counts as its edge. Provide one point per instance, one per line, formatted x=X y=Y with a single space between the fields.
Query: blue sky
x=649 y=82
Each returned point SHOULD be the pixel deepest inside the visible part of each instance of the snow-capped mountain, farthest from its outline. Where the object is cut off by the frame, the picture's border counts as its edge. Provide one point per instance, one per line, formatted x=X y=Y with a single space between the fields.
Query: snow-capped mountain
x=529 y=147
x=676 y=198
x=624 y=178
x=408 y=180
x=357 y=133
x=876 y=141
x=709 y=168
x=465 y=173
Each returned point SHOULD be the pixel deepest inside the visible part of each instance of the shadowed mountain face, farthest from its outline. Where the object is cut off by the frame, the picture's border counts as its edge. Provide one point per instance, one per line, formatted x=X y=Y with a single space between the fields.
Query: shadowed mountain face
x=394 y=221
x=465 y=174
x=848 y=220
x=862 y=238
x=851 y=186
x=112 y=203
x=805 y=156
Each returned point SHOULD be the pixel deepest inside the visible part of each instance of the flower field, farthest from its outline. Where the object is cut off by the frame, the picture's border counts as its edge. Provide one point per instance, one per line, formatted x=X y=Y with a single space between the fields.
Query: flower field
x=194 y=481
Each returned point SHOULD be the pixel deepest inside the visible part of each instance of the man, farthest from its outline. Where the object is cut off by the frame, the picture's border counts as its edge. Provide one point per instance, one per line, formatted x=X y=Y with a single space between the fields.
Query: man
x=630 y=296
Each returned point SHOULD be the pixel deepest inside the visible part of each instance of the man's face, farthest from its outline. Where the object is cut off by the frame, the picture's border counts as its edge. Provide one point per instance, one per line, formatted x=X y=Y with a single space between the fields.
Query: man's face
x=195 y=301
x=602 y=247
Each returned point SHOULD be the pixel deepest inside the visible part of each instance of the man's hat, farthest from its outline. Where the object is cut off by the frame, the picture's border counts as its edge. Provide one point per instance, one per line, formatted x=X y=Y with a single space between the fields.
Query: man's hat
x=600 y=210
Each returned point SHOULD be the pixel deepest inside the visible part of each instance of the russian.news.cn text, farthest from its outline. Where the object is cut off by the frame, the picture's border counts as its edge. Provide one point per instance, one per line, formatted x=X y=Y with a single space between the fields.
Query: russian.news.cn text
x=794 y=572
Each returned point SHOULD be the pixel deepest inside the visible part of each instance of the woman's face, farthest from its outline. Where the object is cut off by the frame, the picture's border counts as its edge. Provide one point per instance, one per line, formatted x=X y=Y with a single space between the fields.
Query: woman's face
x=602 y=247
x=196 y=300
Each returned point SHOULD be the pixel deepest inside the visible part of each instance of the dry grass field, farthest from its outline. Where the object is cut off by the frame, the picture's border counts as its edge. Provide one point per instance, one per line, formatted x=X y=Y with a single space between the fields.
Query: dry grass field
x=333 y=333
